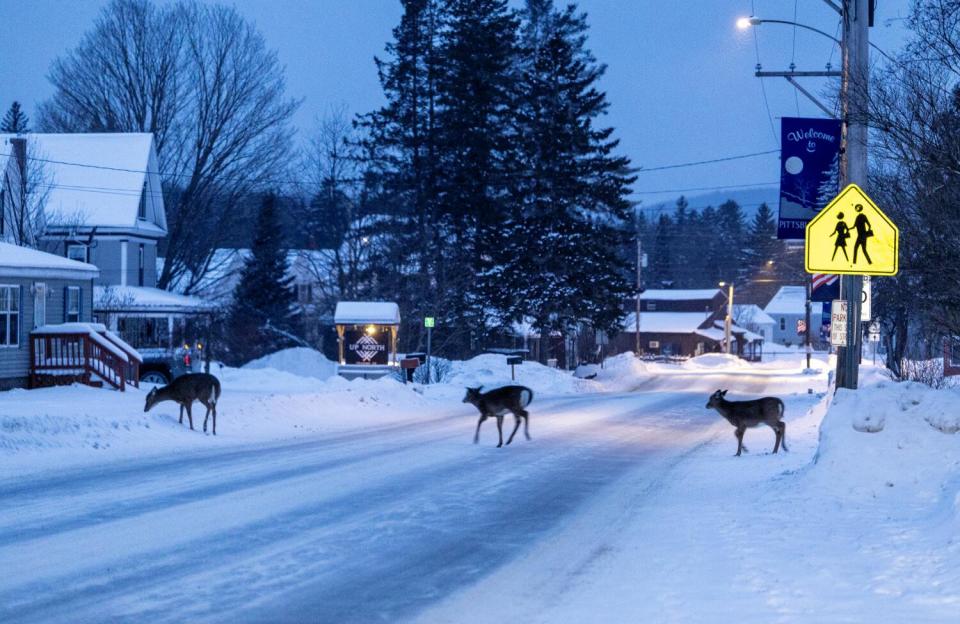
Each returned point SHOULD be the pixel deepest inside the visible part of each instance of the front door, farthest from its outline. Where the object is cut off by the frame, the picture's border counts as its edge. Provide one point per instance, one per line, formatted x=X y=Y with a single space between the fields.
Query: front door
x=39 y=304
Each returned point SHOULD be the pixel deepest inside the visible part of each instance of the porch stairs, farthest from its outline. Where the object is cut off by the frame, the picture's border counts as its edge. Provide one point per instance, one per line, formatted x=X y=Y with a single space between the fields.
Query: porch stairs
x=84 y=353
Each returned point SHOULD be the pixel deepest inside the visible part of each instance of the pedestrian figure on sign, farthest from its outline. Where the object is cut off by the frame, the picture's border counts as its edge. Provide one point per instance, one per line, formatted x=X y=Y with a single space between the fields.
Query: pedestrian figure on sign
x=864 y=231
x=842 y=232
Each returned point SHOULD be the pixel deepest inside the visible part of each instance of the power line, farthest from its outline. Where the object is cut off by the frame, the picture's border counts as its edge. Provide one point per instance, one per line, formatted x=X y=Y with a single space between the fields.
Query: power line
x=763 y=88
x=705 y=162
x=707 y=188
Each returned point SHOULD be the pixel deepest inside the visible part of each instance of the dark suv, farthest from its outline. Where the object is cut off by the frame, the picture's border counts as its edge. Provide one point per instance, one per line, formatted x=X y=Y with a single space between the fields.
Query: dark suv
x=161 y=366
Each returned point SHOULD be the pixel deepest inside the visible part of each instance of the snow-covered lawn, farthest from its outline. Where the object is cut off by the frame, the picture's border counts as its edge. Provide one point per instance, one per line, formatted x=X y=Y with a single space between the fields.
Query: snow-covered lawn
x=326 y=500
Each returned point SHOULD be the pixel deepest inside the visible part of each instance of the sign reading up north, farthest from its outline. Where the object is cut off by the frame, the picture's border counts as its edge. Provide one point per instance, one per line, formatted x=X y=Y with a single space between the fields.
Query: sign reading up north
x=851 y=236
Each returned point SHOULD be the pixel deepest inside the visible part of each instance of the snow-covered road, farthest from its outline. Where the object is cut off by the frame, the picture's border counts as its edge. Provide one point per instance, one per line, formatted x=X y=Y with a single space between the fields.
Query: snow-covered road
x=374 y=525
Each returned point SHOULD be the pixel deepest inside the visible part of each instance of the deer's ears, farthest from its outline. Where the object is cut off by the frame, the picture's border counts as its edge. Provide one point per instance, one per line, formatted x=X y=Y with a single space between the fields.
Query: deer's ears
x=724 y=393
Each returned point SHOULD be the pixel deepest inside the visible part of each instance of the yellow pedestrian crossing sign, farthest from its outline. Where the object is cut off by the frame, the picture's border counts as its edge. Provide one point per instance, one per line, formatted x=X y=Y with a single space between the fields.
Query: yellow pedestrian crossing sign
x=851 y=236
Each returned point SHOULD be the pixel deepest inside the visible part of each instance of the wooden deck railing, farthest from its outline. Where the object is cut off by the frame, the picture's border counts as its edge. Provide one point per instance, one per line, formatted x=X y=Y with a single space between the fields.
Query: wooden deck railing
x=87 y=357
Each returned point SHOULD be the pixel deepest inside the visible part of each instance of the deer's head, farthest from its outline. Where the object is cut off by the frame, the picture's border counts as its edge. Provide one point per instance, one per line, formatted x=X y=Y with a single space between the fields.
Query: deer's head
x=472 y=395
x=152 y=399
x=716 y=398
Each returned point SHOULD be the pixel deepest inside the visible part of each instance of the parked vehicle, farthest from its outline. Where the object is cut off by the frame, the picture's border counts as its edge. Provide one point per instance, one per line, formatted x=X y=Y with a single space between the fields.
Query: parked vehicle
x=162 y=366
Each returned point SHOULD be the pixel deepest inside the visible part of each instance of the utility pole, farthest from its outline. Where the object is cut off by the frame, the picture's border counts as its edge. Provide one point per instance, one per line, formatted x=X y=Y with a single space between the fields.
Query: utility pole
x=639 y=284
x=808 y=348
x=728 y=320
x=855 y=102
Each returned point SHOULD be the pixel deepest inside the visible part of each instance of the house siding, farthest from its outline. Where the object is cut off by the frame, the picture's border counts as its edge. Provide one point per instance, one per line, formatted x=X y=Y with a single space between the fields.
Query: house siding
x=15 y=361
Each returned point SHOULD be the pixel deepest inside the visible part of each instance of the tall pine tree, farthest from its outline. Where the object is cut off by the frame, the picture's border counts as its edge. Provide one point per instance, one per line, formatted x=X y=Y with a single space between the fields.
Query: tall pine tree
x=259 y=321
x=402 y=140
x=572 y=218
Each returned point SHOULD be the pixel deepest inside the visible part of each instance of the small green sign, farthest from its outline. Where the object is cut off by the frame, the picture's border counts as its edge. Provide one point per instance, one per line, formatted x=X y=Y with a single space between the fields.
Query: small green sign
x=428 y=321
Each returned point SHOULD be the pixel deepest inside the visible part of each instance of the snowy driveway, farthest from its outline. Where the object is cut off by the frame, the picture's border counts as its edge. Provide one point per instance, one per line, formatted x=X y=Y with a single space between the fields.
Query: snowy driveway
x=368 y=526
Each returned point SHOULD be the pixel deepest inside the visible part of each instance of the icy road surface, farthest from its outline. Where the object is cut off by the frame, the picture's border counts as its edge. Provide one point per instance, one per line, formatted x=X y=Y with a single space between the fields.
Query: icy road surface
x=376 y=525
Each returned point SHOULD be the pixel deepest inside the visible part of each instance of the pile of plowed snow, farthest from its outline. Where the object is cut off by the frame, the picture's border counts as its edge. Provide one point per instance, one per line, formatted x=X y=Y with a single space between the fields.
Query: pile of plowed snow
x=299 y=361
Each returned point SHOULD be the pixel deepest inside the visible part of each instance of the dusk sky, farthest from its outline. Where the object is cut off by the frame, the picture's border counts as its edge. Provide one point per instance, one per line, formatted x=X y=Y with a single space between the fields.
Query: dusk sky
x=679 y=79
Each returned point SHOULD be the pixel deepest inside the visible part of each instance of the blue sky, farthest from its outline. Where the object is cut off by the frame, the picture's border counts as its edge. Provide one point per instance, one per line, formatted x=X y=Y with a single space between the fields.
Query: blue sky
x=679 y=78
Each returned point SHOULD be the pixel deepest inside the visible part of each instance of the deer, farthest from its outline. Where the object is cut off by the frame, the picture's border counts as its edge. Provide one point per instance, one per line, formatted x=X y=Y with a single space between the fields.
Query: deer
x=744 y=414
x=185 y=390
x=498 y=402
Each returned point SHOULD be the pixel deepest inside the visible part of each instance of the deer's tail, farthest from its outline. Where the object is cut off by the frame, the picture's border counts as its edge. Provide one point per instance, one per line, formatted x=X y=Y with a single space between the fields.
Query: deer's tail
x=526 y=396
x=216 y=389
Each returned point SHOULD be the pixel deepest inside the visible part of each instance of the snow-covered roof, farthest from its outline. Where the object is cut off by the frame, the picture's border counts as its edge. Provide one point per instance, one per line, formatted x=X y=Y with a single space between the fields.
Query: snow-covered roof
x=788 y=300
x=144 y=299
x=665 y=322
x=223 y=273
x=96 y=179
x=712 y=333
x=16 y=261
x=751 y=313
x=359 y=312
x=679 y=295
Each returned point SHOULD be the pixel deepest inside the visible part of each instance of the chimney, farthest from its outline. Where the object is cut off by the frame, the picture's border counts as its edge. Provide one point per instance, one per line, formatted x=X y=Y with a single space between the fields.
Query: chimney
x=18 y=147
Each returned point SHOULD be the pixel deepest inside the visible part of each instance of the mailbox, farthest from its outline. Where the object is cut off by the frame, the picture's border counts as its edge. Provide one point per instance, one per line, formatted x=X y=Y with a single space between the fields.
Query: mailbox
x=514 y=359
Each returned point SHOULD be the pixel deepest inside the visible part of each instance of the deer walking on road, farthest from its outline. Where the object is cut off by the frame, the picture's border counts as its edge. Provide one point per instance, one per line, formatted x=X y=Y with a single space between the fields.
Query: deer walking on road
x=497 y=403
x=745 y=414
x=187 y=389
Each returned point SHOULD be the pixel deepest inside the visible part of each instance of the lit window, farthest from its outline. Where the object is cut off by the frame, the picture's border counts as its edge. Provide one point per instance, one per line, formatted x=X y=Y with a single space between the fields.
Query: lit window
x=142 y=210
x=72 y=305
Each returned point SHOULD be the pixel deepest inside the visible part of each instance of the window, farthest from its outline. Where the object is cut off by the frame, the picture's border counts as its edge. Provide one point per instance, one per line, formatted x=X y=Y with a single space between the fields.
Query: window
x=651 y=306
x=783 y=323
x=3 y=212
x=142 y=210
x=71 y=304
x=77 y=252
x=9 y=315
x=39 y=304
x=140 y=266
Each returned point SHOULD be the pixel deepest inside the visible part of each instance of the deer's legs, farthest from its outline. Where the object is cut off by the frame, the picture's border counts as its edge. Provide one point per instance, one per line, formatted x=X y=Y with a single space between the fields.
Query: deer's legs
x=190 y=414
x=214 y=419
x=476 y=436
x=518 y=418
x=181 y=413
x=209 y=406
x=500 y=428
x=776 y=444
x=739 y=434
x=526 y=423
x=783 y=435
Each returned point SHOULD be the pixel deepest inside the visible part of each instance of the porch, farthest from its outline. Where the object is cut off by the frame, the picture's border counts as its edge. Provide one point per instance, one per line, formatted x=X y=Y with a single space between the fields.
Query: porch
x=84 y=353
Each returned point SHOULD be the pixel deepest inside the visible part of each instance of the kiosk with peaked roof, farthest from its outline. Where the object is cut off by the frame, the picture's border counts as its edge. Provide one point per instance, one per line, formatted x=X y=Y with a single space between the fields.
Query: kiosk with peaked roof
x=367 y=332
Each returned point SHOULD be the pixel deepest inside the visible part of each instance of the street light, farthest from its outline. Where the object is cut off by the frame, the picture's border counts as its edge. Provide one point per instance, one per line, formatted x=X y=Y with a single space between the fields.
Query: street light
x=746 y=22
x=728 y=321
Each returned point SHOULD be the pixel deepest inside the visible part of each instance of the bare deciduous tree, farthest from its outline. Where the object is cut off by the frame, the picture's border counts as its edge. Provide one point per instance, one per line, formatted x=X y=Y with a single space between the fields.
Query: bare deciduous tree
x=29 y=181
x=200 y=78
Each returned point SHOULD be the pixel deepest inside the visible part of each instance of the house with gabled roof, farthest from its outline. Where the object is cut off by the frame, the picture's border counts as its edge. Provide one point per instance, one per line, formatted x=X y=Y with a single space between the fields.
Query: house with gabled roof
x=104 y=206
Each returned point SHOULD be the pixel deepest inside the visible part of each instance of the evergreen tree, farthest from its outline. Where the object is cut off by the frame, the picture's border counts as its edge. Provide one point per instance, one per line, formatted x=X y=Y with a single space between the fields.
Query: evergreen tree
x=15 y=121
x=402 y=143
x=762 y=244
x=730 y=232
x=259 y=321
x=572 y=215
x=661 y=260
x=475 y=97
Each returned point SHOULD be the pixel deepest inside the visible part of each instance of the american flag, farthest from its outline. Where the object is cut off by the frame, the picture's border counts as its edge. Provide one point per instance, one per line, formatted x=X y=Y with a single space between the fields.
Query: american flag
x=824 y=287
x=821 y=279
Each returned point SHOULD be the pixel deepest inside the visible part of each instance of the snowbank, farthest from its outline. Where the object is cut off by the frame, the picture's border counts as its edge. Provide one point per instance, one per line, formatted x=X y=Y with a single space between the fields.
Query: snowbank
x=715 y=360
x=299 y=361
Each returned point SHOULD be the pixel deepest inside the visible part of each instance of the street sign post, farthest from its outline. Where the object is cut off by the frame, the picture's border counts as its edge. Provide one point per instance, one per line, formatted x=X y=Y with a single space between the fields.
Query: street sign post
x=838 y=323
x=866 y=299
x=851 y=236
x=428 y=322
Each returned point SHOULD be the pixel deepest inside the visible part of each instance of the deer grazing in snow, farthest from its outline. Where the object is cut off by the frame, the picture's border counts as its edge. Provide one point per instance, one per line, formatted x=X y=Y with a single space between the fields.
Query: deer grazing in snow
x=498 y=402
x=744 y=414
x=185 y=390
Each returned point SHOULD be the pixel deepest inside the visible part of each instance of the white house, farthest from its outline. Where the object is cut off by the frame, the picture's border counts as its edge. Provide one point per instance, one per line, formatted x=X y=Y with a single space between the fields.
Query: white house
x=787 y=308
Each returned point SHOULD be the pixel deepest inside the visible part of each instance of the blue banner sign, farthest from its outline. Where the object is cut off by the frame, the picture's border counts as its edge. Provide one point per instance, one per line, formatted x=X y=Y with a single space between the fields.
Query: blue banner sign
x=809 y=171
